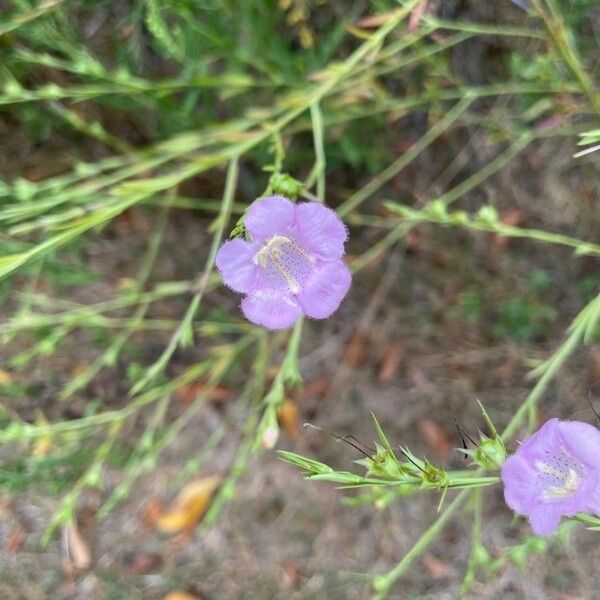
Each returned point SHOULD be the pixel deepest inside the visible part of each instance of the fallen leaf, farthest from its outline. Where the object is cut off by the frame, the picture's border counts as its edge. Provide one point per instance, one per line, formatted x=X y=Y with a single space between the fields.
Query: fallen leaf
x=512 y=217
x=80 y=367
x=154 y=510
x=436 y=437
x=5 y=377
x=180 y=596
x=5 y=506
x=140 y=563
x=423 y=383
x=442 y=259
x=356 y=350
x=414 y=240
x=437 y=568
x=77 y=548
x=15 y=539
x=506 y=370
x=289 y=419
x=189 y=506
x=317 y=388
x=392 y=357
x=186 y=394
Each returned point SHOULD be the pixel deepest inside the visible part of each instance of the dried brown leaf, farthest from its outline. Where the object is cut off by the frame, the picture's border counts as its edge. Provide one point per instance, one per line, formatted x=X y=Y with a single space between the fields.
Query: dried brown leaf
x=437 y=568
x=5 y=377
x=154 y=510
x=15 y=539
x=356 y=350
x=5 y=506
x=139 y=563
x=186 y=394
x=437 y=438
x=78 y=549
x=189 y=506
x=392 y=357
x=316 y=388
x=414 y=239
x=180 y=596
x=289 y=419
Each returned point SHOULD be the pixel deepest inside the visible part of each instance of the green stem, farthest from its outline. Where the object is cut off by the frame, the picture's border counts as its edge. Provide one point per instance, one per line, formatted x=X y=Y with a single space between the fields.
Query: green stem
x=577 y=331
x=400 y=163
x=383 y=583
x=560 y=39
x=184 y=332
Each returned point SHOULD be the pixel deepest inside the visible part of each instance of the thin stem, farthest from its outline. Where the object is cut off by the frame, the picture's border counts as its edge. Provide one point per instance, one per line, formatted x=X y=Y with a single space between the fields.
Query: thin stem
x=566 y=50
x=405 y=159
x=383 y=583
x=184 y=331
x=320 y=163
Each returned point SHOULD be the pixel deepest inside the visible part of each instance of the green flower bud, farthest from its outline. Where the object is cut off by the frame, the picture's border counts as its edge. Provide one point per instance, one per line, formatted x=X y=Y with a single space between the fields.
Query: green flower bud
x=491 y=453
x=286 y=185
x=384 y=464
x=487 y=215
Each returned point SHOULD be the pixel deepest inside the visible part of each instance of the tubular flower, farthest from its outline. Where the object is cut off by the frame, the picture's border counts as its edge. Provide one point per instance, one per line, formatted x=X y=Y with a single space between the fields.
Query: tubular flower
x=554 y=473
x=292 y=265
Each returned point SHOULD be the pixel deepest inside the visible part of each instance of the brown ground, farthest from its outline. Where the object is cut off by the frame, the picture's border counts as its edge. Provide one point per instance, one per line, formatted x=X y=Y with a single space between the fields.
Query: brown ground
x=285 y=538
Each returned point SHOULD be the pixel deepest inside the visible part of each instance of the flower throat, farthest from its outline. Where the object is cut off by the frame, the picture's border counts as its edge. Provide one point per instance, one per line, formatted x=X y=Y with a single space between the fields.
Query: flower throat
x=286 y=261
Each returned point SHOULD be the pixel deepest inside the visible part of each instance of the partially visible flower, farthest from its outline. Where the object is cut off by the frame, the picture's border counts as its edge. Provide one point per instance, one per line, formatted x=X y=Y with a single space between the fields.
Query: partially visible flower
x=554 y=473
x=292 y=265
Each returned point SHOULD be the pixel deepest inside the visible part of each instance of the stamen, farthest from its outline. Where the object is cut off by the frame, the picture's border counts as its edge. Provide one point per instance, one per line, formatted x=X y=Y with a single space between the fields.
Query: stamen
x=560 y=475
x=284 y=258
x=572 y=482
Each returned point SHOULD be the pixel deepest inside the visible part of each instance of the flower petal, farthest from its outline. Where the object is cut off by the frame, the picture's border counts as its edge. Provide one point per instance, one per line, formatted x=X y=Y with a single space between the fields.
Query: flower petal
x=234 y=261
x=544 y=519
x=273 y=215
x=582 y=440
x=320 y=230
x=519 y=479
x=592 y=503
x=545 y=438
x=271 y=308
x=323 y=292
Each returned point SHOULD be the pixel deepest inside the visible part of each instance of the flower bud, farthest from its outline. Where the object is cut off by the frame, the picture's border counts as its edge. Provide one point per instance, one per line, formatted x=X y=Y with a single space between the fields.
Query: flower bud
x=491 y=453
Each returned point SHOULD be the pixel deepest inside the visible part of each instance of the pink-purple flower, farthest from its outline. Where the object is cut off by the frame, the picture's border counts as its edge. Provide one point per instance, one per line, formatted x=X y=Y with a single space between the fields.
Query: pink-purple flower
x=291 y=266
x=554 y=473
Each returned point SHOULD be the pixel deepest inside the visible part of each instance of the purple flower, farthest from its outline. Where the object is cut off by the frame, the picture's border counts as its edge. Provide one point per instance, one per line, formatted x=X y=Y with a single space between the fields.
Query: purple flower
x=554 y=473
x=292 y=266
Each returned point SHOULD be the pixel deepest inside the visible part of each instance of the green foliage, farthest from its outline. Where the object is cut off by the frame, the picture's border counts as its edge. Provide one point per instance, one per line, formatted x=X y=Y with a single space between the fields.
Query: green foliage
x=528 y=316
x=523 y=319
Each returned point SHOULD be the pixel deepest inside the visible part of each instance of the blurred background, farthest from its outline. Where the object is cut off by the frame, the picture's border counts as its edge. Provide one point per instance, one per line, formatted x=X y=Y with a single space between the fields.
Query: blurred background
x=133 y=136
